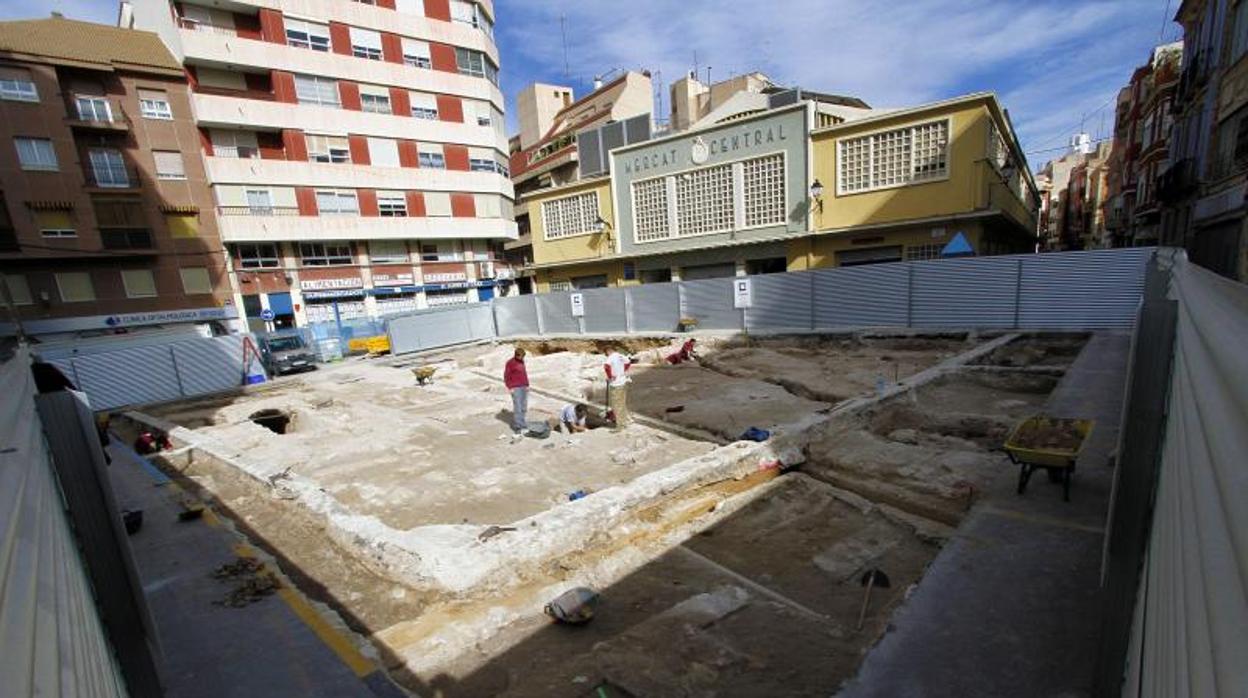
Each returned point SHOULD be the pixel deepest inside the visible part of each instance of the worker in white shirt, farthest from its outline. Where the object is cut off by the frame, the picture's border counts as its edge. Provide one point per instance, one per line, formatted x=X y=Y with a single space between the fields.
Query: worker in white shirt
x=572 y=417
x=616 y=368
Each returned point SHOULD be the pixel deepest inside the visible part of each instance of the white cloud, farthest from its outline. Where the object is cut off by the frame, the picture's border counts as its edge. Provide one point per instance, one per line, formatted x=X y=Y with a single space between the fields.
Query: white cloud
x=1048 y=61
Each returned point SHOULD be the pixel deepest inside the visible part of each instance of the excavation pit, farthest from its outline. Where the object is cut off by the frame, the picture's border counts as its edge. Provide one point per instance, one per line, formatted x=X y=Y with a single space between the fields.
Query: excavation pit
x=276 y=421
x=438 y=534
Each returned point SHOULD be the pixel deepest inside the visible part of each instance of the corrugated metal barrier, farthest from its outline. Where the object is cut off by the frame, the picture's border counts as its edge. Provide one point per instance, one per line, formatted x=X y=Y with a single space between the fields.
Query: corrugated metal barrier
x=1069 y=290
x=52 y=638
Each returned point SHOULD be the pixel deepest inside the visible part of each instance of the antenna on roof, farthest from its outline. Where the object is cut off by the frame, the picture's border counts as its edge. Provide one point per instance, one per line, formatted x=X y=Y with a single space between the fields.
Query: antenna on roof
x=563 y=31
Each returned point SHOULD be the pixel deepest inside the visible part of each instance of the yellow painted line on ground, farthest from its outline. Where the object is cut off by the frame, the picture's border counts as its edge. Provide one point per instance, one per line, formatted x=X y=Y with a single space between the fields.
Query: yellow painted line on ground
x=328 y=634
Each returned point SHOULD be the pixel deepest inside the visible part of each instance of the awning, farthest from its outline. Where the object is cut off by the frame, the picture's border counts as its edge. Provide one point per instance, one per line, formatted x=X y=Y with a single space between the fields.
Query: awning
x=187 y=209
x=50 y=205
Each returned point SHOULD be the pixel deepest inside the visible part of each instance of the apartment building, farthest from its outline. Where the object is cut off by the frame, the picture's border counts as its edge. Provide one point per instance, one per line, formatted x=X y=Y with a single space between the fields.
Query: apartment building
x=106 y=217
x=798 y=180
x=1204 y=187
x=1074 y=192
x=356 y=150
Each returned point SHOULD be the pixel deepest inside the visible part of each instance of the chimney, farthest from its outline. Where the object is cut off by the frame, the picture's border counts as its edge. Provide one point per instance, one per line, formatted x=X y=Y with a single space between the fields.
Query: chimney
x=57 y=15
x=125 y=15
x=597 y=82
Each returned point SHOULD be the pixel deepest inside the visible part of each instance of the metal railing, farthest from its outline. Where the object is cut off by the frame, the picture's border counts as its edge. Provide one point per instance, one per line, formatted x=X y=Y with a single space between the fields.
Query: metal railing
x=196 y=25
x=112 y=176
x=258 y=210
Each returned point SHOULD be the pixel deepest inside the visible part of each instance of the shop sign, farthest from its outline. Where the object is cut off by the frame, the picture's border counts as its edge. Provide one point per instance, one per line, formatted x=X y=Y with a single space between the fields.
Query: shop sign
x=443 y=277
x=742 y=140
x=343 y=282
x=195 y=315
x=339 y=293
x=393 y=279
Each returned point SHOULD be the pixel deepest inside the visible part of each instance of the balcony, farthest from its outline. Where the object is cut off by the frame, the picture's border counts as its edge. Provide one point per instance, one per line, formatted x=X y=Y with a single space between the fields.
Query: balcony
x=196 y=25
x=112 y=177
x=258 y=210
x=98 y=120
x=1178 y=181
x=126 y=238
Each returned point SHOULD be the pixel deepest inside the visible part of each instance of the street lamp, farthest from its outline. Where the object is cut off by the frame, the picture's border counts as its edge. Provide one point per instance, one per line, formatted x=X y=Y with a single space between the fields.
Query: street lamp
x=816 y=193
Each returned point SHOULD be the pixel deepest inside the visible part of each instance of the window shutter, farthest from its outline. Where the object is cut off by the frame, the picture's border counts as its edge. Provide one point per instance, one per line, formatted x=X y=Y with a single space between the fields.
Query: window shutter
x=169 y=164
x=366 y=38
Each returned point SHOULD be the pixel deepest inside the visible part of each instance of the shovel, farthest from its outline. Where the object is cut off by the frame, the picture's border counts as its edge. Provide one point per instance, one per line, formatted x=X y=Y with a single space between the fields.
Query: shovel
x=873 y=577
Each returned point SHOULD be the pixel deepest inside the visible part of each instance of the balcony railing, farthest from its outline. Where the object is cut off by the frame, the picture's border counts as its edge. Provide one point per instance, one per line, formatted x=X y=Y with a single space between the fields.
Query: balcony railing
x=1177 y=181
x=258 y=210
x=1223 y=165
x=112 y=177
x=195 y=25
x=85 y=116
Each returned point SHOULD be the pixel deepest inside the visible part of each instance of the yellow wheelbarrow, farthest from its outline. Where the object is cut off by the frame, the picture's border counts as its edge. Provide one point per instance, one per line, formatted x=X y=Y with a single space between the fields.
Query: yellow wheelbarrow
x=424 y=374
x=1051 y=443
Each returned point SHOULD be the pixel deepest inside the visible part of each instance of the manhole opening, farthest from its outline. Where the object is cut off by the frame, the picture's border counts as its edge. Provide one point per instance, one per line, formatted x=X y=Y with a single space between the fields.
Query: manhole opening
x=275 y=421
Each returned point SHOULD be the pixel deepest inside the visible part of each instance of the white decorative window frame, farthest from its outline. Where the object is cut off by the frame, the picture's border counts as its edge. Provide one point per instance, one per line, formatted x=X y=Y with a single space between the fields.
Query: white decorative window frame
x=841 y=143
x=546 y=234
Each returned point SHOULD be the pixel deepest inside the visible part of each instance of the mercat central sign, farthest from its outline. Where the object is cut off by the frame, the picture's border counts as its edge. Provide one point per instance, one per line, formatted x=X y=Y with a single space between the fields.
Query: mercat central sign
x=700 y=149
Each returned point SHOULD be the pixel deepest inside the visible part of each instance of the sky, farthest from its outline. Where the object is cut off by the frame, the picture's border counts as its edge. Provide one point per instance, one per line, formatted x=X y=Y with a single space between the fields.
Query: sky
x=1053 y=64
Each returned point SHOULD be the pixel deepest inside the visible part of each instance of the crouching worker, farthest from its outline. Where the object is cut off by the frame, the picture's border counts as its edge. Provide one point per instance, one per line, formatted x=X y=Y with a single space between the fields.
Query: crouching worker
x=685 y=353
x=572 y=417
x=150 y=442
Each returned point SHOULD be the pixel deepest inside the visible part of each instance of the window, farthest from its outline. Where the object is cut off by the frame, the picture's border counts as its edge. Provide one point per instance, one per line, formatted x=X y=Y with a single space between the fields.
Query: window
x=139 y=283
x=258 y=256
x=169 y=164
x=383 y=152
x=894 y=158
x=75 y=286
x=650 y=203
x=374 y=99
x=392 y=204
x=195 y=281
x=221 y=79
x=337 y=202
x=489 y=206
x=571 y=215
x=438 y=252
x=431 y=156
x=480 y=112
x=323 y=254
x=108 y=169
x=55 y=224
x=436 y=299
x=921 y=252
x=365 y=43
x=35 y=153
x=470 y=62
x=437 y=204
x=154 y=104
x=481 y=160
x=464 y=12
x=311 y=89
x=387 y=251
x=260 y=202
x=416 y=53
x=93 y=108
x=234 y=144
x=182 y=225
x=561 y=285
x=328 y=149
x=310 y=35
x=764 y=190
x=126 y=239
x=411 y=7
x=1239 y=41
x=19 y=289
x=16 y=85
x=998 y=151
x=424 y=105
x=704 y=200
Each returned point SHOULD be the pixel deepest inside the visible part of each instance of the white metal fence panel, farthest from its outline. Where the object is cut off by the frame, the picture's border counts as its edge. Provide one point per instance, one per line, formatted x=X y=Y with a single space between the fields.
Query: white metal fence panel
x=556 y=310
x=605 y=311
x=781 y=302
x=437 y=327
x=481 y=321
x=1076 y=290
x=128 y=376
x=874 y=295
x=978 y=292
x=516 y=316
x=209 y=365
x=710 y=302
x=54 y=643
x=654 y=307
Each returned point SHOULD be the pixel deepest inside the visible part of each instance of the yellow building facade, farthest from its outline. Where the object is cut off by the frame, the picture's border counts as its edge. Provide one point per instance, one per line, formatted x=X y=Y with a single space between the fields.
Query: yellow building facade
x=890 y=186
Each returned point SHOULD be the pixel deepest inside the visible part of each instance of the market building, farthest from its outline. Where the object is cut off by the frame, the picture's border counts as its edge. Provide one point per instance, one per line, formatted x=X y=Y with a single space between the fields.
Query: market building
x=106 y=216
x=357 y=151
x=798 y=181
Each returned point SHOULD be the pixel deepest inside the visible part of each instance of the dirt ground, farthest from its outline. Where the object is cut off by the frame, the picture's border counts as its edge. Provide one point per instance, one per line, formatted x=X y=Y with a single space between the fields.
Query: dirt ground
x=739 y=610
x=929 y=450
x=442 y=453
x=1058 y=350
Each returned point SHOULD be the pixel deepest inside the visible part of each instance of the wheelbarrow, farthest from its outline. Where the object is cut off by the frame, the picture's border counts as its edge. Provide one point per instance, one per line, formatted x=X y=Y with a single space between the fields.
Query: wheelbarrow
x=424 y=374
x=1051 y=443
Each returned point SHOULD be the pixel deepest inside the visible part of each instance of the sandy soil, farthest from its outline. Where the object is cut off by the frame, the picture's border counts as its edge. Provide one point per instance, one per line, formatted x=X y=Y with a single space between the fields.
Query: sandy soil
x=442 y=453
x=1045 y=350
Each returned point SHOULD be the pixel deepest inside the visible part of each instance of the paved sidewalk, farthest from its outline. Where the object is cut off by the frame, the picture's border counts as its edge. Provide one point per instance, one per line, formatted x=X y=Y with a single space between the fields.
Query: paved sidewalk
x=278 y=646
x=1011 y=604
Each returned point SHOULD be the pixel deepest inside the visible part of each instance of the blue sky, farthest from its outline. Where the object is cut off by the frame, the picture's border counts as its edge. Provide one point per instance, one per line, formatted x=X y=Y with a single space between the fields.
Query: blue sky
x=1051 y=63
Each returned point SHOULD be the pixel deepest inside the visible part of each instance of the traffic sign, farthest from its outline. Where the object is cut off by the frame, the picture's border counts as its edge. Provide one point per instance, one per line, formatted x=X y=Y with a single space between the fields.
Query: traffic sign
x=266 y=315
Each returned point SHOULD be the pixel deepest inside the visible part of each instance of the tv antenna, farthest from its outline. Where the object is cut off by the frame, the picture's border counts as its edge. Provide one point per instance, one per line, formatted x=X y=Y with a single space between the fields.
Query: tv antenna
x=563 y=31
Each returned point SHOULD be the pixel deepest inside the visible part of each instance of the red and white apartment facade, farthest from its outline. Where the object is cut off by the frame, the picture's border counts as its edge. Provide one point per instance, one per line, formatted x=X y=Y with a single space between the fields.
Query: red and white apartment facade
x=356 y=151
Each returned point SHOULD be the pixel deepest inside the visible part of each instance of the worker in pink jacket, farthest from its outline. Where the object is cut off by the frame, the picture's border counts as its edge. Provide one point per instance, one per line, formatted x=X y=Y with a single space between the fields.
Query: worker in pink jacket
x=516 y=378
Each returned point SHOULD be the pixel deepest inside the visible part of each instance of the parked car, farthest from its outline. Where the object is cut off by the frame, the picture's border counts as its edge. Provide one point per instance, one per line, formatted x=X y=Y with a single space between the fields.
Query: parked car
x=286 y=352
